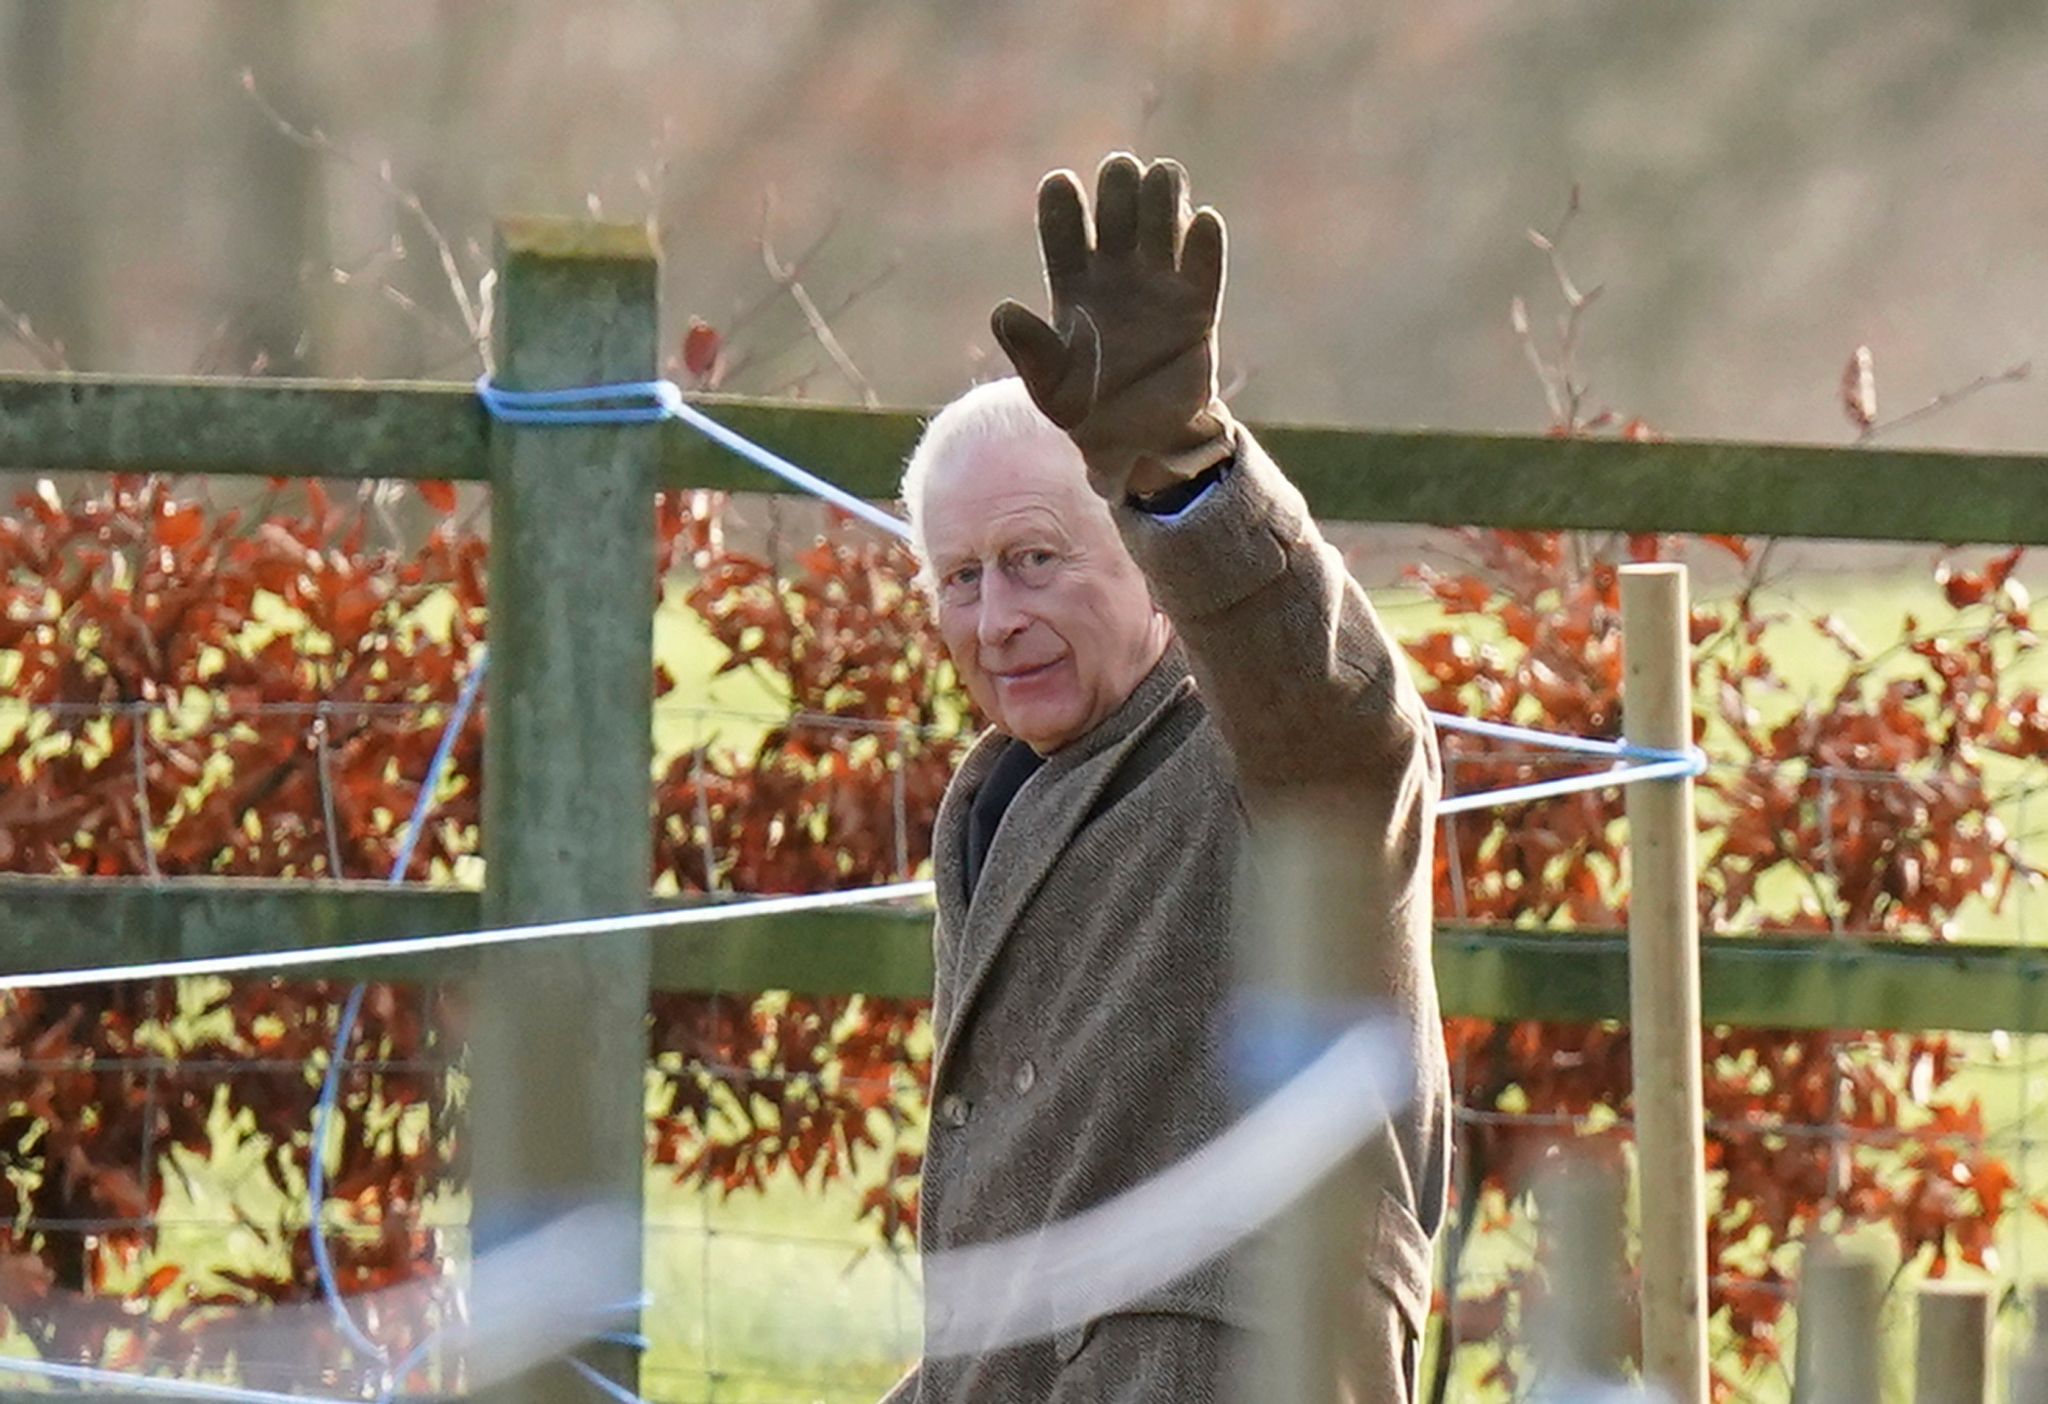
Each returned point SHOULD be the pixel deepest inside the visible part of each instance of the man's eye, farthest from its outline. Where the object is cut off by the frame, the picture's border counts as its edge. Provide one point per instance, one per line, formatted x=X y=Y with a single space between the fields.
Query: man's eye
x=961 y=576
x=1034 y=566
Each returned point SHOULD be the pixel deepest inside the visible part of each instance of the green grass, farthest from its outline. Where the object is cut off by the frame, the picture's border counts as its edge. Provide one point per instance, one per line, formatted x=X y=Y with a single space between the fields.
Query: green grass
x=776 y=1296
x=731 y=710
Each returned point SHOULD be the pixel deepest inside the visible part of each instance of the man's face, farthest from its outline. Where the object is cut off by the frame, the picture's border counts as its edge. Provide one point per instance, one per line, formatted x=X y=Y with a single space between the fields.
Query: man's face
x=1045 y=613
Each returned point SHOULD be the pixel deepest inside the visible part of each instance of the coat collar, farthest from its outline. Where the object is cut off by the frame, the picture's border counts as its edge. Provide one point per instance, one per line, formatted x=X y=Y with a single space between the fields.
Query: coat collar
x=977 y=928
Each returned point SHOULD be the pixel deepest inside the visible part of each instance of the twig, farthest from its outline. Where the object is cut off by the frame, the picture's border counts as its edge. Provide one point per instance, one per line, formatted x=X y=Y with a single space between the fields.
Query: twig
x=371 y=268
x=748 y=359
x=786 y=277
x=473 y=308
x=653 y=184
x=2011 y=375
x=1518 y=318
x=1563 y=391
x=49 y=353
x=798 y=266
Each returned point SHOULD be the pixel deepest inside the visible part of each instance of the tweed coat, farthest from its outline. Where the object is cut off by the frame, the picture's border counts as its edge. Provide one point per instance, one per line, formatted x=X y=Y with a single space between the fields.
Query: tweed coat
x=1082 y=988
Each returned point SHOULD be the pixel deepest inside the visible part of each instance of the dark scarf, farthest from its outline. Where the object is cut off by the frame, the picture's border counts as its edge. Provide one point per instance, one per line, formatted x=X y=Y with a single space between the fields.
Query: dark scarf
x=1013 y=767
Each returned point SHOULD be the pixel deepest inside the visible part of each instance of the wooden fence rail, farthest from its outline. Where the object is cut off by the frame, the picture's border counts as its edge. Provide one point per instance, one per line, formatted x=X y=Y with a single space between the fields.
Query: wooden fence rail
x=1788 y=982
x=55 y=423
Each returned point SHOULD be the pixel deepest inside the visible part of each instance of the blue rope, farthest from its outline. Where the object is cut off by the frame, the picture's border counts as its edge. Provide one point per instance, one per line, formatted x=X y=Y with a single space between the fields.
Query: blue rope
x=330 y=1090
x=596 y=404
x=344 y=1030
x=1556 y=741
x=1669 y=765
x=589 y=405
x=582 y=405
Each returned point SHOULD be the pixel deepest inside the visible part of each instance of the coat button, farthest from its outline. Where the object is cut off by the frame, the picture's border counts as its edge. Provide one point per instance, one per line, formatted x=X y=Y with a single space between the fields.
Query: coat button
x=953 y=1110
x=1027 y=1076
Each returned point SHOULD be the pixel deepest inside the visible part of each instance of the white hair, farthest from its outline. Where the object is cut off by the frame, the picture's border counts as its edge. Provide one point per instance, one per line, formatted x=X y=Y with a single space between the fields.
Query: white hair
x=997 y=411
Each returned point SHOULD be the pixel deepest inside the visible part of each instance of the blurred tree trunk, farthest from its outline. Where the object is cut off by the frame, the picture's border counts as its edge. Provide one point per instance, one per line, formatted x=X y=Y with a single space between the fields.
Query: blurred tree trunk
x=49 y=266
x=276 y=250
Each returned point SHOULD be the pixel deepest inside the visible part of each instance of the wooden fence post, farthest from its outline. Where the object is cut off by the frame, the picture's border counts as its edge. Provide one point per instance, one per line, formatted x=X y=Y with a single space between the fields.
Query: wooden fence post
x=559 y=1048
x=1309 y=964
x=1952 y=1353
x=1664 y=987
x=1839 y=1353
x=1581 y=1335
x=2028 y=1382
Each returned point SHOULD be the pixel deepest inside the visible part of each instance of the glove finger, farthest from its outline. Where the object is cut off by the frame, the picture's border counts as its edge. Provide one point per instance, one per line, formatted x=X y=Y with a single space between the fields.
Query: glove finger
x=1084 y=362
x=1034 y=348
x=1162 y=214
x=1202 y=255
x=1116 y=206
x=1062 y=228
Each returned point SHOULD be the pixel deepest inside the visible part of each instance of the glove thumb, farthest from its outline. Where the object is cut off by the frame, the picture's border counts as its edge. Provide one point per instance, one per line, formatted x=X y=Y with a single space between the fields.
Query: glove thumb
x=1041 y=356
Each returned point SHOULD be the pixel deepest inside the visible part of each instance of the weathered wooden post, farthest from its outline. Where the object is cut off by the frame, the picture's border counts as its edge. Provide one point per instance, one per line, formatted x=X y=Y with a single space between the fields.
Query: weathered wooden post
x=1664 y=987
x=1838 y=1360
x=1952 y=1353
x=2028 y=1383
x=1581 y=1336
x=1294 y=972
x=560 y=1043
x=1318 y=955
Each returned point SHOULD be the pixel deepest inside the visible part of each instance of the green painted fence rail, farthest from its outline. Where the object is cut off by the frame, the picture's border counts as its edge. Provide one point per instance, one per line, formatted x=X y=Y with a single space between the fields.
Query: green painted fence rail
x=1754 y=981
x=411 y=431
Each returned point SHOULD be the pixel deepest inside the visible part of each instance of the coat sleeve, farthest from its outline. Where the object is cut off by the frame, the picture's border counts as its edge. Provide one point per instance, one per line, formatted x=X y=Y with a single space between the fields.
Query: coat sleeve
x=1302 y=679
x=1334 y=757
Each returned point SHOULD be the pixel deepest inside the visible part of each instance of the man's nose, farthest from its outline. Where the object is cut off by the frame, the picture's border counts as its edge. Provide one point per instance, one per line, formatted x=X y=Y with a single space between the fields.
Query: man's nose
x=1002 y=609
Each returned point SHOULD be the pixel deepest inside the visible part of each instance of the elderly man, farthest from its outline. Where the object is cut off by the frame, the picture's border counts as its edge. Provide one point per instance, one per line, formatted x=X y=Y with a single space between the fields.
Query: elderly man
x=1171 y=657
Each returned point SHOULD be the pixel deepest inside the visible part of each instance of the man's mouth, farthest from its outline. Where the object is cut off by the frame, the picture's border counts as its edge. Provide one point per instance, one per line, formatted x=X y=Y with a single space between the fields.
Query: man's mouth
x=1036 y=670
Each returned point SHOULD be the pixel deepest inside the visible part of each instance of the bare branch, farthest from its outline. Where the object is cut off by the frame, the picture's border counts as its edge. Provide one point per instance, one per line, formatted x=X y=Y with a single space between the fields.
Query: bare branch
x=1518 y=317
x=49 y=354
x=2011 y=375
x=653 y=182
x=798 y=267
x=786 y=277
x=1563 y=389
x=315 y=140
x=1552 y=244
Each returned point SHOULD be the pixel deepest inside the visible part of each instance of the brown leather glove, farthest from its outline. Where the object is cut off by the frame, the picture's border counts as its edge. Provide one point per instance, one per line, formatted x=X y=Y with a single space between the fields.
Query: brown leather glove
x=1128 y=365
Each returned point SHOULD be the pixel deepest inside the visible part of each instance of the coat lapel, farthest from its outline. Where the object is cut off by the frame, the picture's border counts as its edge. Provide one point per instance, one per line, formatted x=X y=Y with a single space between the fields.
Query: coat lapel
x=1035 y=831
x=949 y=866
